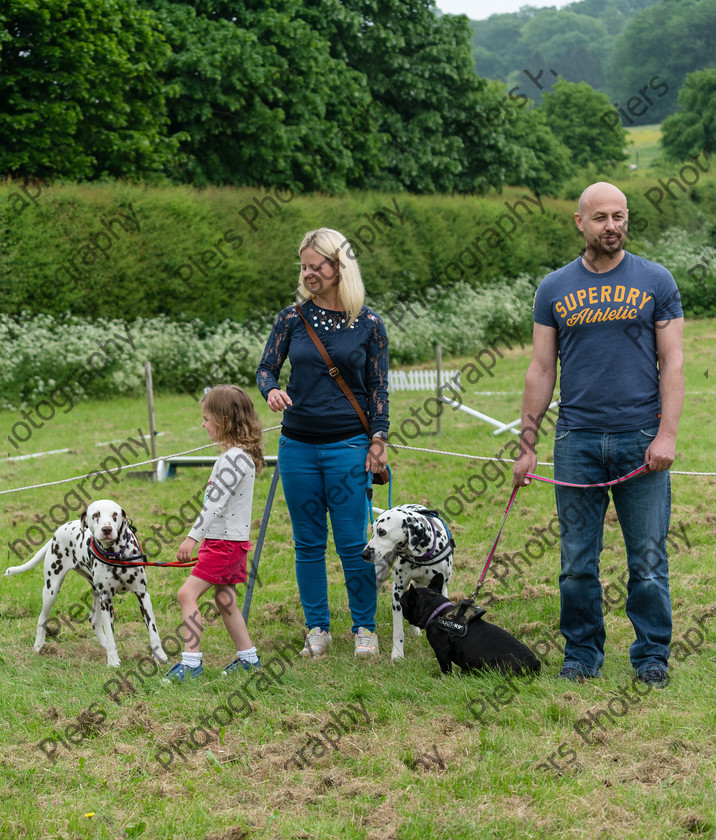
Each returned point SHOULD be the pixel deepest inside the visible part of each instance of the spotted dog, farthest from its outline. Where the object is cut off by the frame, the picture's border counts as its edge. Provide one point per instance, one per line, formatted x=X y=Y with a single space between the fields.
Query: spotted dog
x=106 y=523
x=423 y=547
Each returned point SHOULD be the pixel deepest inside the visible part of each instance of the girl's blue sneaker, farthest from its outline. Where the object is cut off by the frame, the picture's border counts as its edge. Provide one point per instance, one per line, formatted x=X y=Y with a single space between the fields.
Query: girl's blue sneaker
x=239 y=664
x=180 y=672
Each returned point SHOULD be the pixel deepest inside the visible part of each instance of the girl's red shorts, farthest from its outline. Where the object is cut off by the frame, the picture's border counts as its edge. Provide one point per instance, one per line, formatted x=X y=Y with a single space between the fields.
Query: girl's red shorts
x=222 y=562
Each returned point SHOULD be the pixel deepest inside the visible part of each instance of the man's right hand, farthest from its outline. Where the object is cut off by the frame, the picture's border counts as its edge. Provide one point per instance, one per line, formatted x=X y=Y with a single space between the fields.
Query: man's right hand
x=526 y=463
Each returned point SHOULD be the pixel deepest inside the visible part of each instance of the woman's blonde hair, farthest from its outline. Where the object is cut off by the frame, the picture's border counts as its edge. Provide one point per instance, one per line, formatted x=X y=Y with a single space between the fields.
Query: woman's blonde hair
x=337 y=250
x=236 y=420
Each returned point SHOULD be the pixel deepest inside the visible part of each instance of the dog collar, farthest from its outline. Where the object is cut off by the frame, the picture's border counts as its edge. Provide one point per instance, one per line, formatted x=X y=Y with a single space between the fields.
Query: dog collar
x=108 y=556
x=437 y=611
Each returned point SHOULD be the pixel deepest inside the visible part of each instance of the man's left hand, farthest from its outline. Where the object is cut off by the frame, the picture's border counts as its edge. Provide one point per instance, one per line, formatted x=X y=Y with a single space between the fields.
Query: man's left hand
x=661 y=453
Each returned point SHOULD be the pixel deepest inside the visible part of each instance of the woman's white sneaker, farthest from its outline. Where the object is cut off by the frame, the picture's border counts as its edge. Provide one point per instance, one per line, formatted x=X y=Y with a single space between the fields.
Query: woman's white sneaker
x=366 y=642
x=317 y=642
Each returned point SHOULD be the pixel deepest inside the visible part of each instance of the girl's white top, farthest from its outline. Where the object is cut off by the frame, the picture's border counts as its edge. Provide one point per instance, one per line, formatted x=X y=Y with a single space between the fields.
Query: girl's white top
x=226 y=512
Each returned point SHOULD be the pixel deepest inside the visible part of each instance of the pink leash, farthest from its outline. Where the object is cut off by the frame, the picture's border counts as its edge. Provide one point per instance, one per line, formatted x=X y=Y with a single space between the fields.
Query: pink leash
x=638 y=471
x=641 y=469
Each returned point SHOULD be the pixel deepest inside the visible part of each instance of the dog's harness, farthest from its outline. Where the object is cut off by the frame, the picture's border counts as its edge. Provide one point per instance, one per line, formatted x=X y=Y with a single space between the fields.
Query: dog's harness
x=114 y=558
x=430 y=558
x=456 y=622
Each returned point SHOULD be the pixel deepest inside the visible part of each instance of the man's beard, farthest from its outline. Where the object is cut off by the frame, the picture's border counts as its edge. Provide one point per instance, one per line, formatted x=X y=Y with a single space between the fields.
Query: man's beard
x=601 y=247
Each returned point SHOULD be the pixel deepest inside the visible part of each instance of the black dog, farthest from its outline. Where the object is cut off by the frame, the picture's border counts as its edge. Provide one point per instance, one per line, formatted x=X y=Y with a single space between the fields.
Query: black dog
x=484 y=646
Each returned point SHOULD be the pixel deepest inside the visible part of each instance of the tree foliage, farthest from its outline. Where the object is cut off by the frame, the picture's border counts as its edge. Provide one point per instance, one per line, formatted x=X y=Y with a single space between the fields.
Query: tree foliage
x=571 y=44
x=671 y=39
x=295 y=95
x=496 y=44
x=573 y=112
x=420 y=72
x=260 y=99
x=616 y=46
x=542 y=161
x=692 y=129
x=576 y=41
x=79 y=95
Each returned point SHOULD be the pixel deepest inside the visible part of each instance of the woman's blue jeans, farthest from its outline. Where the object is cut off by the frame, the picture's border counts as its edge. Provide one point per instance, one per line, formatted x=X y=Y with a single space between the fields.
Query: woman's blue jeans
x=643 y=505
x=321 y=478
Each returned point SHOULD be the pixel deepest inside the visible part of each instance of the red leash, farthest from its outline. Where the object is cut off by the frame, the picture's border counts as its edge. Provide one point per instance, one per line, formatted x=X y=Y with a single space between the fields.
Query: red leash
x=638 y=471
x=103 y=558
x=494 y=545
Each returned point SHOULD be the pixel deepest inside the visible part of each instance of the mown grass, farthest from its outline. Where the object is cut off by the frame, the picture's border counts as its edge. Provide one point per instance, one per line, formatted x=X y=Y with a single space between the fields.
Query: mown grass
x=440 y=757
x=645 y=146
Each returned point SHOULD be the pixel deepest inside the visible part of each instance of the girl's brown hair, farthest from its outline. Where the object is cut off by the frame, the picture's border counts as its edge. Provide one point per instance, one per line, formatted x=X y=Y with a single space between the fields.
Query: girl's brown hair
x=236 y=420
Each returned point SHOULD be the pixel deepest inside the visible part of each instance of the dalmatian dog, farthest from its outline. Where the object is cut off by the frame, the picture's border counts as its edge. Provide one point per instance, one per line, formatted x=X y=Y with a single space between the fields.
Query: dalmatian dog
x=105 y=525
x=421 y=543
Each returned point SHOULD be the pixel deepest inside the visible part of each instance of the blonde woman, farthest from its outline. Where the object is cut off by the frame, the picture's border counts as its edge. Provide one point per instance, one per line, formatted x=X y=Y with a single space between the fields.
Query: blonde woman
x=325 y=455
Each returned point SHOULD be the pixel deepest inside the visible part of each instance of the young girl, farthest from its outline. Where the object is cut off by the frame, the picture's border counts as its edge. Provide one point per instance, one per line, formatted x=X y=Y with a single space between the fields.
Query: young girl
x=223 y=529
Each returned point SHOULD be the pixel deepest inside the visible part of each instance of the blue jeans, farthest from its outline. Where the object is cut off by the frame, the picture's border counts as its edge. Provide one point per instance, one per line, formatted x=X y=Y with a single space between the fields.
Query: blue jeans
x=320 y=478
x=643 y=505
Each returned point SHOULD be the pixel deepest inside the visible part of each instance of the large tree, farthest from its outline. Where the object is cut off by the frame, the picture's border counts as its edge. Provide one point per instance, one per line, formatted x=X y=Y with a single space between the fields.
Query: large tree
x=575 y=41
x=692 y=129
x=78 y=90
x=260 y=100
x=496 y=44
x=574 y=113
x=430 y=104
x=539 y=161
x=570 y=44
x=306 y=95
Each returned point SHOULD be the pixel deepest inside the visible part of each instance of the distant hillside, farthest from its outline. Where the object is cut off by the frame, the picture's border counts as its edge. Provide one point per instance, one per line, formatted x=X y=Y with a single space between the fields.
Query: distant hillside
x=616 y=46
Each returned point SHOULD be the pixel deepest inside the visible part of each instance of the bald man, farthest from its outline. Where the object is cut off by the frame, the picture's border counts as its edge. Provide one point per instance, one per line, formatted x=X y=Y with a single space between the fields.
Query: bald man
x=615 y=322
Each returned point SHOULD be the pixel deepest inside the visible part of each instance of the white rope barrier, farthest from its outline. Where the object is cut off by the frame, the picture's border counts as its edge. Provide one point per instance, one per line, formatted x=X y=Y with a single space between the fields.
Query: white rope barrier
x=508 y=460
x=101 y=472
x=273 y=428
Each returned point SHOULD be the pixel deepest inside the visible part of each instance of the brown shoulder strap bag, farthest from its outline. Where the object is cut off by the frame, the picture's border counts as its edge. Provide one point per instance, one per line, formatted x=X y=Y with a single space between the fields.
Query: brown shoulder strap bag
x=383 y=476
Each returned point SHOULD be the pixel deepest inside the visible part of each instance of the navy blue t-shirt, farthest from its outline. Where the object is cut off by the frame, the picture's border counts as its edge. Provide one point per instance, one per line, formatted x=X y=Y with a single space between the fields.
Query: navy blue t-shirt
x=609 y=379
x=320 y=409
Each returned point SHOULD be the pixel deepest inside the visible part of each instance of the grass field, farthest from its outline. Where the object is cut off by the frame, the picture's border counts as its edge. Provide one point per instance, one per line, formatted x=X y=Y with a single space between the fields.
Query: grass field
x=411 y=754
x=645 y=147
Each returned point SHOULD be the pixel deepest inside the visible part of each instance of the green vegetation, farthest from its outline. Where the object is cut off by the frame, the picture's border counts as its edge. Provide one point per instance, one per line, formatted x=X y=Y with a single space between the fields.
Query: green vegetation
x=669 y=39
x=575 y=113
x=66 y=71
x=638 y=52
x=339 y=95
x=693 y=128
x=230 y=253
x=309 y=96
x=207 y=137
x=644 y=147
x=441 y=757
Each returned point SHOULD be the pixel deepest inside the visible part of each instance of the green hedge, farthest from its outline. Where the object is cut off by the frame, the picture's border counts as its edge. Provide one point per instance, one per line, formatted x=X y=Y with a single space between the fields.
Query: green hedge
x=55 y=361
x=127 y=251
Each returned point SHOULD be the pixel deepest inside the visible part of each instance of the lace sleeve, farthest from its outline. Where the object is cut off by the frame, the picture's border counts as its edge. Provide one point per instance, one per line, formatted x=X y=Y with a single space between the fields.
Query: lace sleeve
x=274 y=354
x=377 y=378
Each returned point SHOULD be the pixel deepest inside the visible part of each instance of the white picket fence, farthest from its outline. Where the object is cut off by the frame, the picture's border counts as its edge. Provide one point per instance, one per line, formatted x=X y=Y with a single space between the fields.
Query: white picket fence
x=418 y=380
